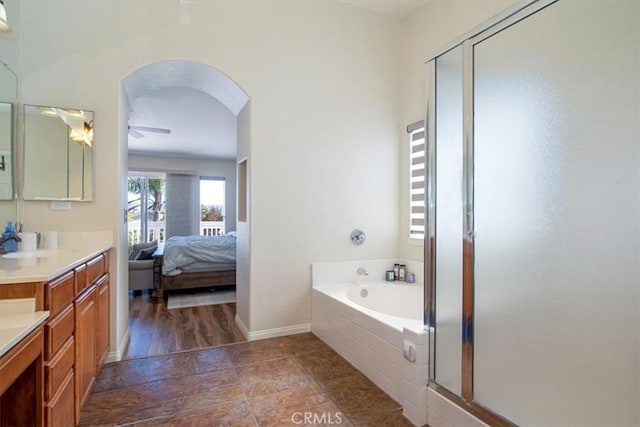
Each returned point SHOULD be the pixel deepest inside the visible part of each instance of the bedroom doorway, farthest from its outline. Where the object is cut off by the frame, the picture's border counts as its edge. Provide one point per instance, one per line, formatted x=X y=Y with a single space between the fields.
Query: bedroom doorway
x=184 y=129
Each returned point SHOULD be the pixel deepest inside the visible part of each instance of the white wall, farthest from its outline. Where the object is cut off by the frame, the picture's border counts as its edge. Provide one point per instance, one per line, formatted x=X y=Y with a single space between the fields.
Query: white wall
x=324 y=123
x=243 y=239
x=424 y=32
x=9 y=42
x=203 y=168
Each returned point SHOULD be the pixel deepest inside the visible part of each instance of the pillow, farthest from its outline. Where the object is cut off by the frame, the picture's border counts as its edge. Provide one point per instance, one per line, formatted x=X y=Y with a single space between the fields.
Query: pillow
x=139 y=247
x=146 y=253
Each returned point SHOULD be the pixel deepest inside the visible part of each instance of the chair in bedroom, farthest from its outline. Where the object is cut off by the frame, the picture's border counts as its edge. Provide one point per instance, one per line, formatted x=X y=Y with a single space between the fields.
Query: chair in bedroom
x=141 y=266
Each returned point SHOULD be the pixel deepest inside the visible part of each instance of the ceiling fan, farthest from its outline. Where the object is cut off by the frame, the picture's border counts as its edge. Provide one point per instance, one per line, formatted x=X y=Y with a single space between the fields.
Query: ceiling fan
x=136 y=131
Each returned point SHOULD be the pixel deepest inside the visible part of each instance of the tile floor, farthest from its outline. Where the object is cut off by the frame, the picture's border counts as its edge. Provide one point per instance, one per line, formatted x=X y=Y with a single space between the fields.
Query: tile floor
x=272 y=382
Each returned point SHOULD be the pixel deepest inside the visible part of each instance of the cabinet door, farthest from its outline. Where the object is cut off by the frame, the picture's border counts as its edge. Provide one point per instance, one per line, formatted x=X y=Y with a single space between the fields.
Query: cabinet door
x=102 y=337
x=59 y=410
x=86 y=314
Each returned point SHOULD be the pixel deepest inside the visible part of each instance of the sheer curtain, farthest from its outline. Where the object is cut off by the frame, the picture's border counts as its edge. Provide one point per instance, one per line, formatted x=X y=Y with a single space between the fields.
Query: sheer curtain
x=182 y=204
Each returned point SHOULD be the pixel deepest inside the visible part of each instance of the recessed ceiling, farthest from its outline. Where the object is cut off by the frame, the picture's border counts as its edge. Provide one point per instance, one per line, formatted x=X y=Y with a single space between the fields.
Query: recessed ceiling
x=397 y=8
x=200 y=125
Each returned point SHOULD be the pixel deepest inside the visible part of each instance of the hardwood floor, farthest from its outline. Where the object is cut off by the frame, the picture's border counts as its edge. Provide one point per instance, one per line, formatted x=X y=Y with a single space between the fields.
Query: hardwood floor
x=155 y=330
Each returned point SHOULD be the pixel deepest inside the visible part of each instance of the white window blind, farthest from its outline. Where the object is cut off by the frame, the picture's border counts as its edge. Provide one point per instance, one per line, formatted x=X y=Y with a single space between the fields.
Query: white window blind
x=182 y=205
x=417 y=173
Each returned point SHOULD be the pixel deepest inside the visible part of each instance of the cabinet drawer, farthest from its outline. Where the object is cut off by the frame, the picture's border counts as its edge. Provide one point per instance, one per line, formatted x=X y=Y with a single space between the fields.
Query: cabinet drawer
x=57 y=331
x=59 y=411
x=95 y=269
x=55 y=370
x=81 y=278
x=59 y=293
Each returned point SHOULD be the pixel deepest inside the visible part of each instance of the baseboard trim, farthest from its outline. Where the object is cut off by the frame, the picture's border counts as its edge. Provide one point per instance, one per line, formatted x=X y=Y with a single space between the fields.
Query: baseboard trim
x=271 y=333
x=242 y=327
x=116 y=356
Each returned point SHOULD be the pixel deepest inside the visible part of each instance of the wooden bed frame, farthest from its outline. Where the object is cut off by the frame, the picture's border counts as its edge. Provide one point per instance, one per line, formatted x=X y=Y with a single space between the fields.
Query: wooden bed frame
x=189 y=280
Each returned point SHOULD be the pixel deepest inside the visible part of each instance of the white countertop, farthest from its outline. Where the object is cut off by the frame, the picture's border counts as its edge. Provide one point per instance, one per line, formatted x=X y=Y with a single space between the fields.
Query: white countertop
x=16 y=326
x=18 y=317
x=45 y=268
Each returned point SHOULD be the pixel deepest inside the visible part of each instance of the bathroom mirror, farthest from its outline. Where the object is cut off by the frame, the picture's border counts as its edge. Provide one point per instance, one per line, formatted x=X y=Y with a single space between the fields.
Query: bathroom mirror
x=8 y=100
x=58 y=153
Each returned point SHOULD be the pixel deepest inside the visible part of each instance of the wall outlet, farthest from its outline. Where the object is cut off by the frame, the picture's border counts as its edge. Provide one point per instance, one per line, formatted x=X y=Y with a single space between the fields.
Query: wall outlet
x=60 y=205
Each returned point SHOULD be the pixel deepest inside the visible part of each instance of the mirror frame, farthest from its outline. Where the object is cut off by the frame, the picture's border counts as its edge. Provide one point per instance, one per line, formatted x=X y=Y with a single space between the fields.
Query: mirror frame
x=68 y=129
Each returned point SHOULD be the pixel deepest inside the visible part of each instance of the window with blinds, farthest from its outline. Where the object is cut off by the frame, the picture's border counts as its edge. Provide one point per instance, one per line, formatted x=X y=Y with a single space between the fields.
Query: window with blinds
x=417 y=168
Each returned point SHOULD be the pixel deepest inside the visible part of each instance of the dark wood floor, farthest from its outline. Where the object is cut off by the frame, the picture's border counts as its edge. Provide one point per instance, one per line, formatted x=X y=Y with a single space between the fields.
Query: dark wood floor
x=155 y=330
x=274 y=382
x=193 y=367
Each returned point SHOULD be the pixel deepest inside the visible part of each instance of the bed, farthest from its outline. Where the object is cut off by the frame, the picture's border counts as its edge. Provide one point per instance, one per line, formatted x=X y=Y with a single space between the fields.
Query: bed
x=190 y=262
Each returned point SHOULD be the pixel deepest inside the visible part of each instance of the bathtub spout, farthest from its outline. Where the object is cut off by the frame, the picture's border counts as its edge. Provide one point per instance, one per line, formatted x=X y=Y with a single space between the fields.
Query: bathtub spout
x=362 y=272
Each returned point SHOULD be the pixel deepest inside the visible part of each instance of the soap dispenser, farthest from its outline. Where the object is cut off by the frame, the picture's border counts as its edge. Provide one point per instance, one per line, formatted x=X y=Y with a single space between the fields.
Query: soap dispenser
x=9 y=231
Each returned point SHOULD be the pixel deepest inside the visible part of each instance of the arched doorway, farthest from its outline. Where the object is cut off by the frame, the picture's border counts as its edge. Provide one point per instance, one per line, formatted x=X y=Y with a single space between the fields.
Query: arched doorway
x=180 y=115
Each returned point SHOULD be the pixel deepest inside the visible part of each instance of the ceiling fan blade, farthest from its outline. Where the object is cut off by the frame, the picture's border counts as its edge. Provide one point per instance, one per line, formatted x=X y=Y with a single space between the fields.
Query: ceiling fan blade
x=134 y=133
x=149 y=129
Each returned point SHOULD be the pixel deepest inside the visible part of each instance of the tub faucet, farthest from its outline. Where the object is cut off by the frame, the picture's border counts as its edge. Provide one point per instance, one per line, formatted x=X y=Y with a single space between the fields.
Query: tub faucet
x=362 y=272
x=3 y=241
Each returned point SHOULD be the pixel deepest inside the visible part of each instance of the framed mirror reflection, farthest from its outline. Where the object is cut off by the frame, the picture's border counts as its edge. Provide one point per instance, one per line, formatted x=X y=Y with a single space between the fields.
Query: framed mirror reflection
x=58 y=153
x=8 y=100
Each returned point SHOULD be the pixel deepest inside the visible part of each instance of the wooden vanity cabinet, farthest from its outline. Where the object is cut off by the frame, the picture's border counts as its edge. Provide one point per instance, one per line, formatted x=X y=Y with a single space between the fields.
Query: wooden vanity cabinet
x=21 y=383
x=86 y=316
x=103 y=320
x=76 y=338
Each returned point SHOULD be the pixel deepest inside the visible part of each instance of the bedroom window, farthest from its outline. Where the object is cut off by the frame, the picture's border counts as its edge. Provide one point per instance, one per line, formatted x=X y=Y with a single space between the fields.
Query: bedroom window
x=417 y=172
x=146 y=215
x=212 y=206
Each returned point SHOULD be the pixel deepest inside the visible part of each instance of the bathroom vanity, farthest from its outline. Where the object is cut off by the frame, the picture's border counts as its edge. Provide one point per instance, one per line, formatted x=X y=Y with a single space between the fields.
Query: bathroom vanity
x=59 y=359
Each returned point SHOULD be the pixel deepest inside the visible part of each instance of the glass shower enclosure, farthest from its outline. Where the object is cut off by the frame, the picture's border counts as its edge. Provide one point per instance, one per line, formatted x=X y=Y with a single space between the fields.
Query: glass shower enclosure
x=533 y=208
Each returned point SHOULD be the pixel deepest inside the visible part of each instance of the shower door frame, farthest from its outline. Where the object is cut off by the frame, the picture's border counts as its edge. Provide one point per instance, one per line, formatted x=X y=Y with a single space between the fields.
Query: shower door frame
x=509 y=17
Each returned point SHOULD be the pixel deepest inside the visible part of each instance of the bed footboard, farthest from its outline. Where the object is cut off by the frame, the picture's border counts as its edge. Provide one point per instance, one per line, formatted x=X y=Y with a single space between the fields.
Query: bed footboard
x=190 y=280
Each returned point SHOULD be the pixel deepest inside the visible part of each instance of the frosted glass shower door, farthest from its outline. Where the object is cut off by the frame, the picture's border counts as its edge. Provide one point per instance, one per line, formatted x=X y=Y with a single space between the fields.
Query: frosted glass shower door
x=448 y=230
x=556 y=214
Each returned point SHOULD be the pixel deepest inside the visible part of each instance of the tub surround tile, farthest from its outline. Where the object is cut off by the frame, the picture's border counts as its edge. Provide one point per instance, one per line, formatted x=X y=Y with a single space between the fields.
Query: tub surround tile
x=328 y=273
x=436 y=420
x=375 y=348
x=420 y=338
x=416 y=415
x=414 y=395
x=450 y=412
x=385 y=349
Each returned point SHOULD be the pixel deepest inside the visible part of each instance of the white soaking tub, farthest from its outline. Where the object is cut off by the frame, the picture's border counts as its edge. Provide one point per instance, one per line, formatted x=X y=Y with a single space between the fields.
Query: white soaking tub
x=373 y=323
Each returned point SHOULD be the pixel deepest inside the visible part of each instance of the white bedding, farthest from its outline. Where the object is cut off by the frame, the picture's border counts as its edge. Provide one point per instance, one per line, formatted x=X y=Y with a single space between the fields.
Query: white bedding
x=183 y=252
